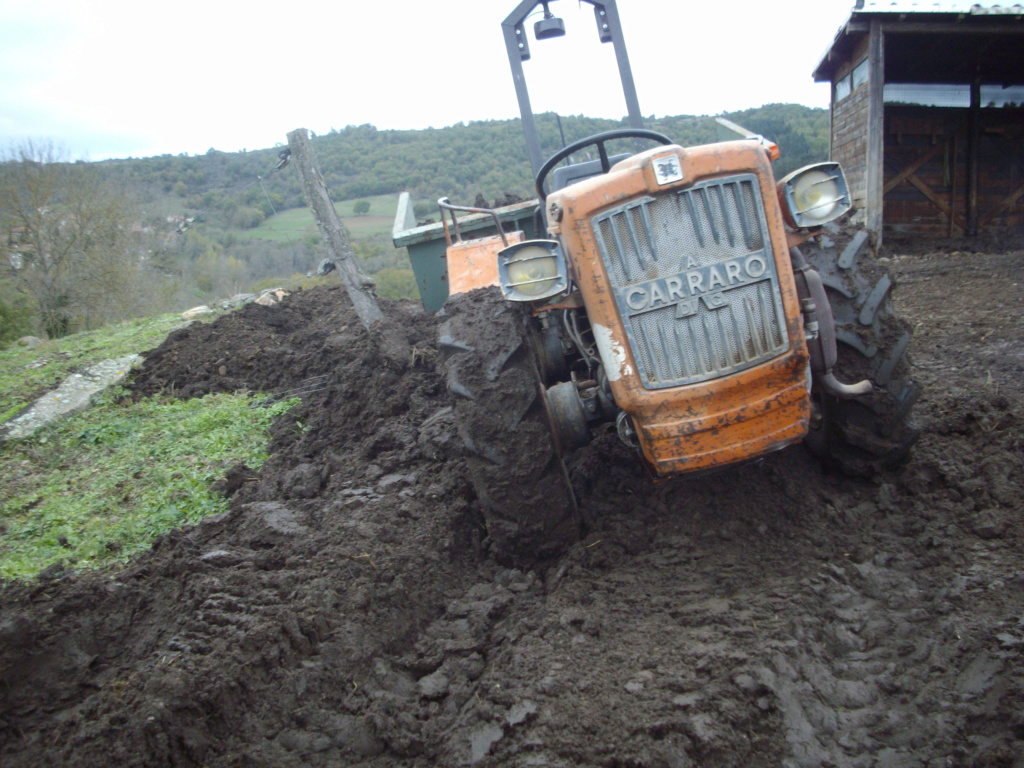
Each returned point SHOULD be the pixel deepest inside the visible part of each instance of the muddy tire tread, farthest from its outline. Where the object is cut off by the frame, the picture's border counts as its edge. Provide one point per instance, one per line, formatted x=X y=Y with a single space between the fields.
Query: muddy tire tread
x=515 y=467
x=866 y=435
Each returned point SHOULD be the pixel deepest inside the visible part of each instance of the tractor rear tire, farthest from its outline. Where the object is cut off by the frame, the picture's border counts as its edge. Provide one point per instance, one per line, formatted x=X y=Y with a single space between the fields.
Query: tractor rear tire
x=864 y=435
x=514 y=461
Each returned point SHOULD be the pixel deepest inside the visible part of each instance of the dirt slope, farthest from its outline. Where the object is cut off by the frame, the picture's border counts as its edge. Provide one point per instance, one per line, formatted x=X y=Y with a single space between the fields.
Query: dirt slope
x=347 y=611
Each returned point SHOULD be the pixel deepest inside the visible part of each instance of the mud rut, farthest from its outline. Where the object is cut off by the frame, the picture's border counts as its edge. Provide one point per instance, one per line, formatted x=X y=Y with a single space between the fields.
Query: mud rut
x=347 y=612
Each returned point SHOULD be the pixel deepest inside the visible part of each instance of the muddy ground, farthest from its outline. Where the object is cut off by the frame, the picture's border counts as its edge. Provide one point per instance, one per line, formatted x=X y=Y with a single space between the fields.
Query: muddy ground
x=347 y=610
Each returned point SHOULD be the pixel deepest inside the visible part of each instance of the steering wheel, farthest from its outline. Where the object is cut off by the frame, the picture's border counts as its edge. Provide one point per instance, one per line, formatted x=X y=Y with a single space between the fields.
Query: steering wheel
x=599 y=140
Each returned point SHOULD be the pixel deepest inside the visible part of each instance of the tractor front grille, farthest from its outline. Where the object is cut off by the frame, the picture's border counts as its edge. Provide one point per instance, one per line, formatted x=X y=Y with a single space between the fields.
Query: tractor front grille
x=695 y=281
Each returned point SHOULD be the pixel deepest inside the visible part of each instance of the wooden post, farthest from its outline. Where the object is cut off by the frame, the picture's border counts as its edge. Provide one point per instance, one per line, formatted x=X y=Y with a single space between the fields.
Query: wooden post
x=973 y=158
x=332 y=230
x=952 y=187
x=875 y=191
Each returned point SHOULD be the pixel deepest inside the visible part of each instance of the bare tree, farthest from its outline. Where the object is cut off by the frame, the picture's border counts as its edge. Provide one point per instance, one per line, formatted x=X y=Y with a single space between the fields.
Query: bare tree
x=66 y=238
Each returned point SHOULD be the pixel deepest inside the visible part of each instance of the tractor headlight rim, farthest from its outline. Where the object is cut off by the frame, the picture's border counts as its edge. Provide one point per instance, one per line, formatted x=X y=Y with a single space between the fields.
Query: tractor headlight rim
x=814 y=195
x=532 y=270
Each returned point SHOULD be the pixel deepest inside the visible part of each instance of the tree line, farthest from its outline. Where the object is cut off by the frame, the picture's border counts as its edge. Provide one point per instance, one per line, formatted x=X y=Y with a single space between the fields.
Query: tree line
x=239 y=190
x=87 y=243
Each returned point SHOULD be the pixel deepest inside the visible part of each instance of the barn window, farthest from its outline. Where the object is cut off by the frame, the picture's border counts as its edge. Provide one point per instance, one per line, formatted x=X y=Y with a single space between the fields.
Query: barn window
x=842 y=88
x=852 y=81
x=860 y=74
x=1002 y=95
x=928 y=94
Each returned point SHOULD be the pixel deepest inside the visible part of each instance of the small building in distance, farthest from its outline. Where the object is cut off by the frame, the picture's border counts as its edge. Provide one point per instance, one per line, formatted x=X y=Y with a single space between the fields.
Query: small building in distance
x=927 y=115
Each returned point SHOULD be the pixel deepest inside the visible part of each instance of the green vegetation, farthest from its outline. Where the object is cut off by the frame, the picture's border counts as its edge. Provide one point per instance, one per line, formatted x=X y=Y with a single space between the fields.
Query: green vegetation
x=66 y=240
x=361 y=163
x=297 y=224
x=100 y=486
x=26 y=373
x=395 y=283
x=15 y=316
x=801 y=133
x=296 y=282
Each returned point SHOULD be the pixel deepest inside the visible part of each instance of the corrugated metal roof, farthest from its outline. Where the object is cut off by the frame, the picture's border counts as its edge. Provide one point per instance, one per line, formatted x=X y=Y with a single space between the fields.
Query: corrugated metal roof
x=940 y=6
x=970 y=34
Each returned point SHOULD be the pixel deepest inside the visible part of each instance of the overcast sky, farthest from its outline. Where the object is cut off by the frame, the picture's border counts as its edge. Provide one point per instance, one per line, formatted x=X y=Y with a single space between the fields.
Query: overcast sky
x=119 y=78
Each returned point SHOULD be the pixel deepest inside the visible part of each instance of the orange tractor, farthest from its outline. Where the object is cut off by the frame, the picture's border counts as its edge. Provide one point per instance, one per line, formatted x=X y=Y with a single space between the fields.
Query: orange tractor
x=670 y=300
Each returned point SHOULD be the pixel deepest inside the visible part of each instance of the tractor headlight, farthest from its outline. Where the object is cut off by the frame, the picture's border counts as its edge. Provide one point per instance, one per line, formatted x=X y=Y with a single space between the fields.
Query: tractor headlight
x=814 y=195
x=532 y=270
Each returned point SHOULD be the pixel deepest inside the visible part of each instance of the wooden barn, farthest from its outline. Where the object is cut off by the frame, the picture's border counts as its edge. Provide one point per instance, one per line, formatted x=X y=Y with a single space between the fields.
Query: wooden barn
x=928 y=115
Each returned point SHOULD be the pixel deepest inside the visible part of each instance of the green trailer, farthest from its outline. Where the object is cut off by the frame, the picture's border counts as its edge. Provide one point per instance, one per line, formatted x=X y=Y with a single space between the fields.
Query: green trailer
x=428 y=243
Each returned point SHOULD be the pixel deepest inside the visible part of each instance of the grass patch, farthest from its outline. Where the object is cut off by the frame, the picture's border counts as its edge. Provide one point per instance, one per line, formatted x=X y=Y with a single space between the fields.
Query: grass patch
x=25 y=373
x=98 y=487
x=296 y=223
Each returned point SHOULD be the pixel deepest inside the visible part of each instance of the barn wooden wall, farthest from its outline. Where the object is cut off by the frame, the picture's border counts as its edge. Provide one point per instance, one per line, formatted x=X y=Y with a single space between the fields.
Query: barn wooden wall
x=927 y=170
x=849 y=140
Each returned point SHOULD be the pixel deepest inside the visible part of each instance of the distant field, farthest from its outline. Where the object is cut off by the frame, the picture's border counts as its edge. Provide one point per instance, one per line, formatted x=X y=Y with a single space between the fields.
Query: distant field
x=295 y=223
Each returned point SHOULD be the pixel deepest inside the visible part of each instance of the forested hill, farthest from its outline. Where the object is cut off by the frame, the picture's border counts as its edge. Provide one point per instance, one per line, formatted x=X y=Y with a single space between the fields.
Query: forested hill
x=238 y=190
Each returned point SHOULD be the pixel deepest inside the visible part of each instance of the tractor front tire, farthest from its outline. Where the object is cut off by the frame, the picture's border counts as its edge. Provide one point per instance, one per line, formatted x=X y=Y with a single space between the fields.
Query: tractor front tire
x=864 y=435
x=514 y=462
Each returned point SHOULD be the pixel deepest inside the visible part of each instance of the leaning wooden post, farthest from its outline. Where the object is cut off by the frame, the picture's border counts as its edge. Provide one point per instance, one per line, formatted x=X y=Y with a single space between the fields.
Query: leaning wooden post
x=331 y=229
